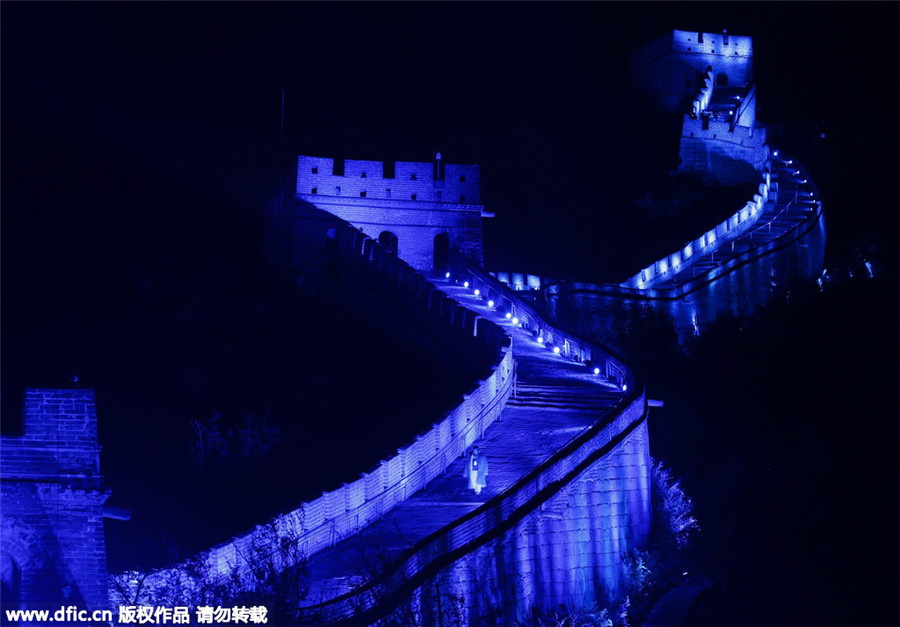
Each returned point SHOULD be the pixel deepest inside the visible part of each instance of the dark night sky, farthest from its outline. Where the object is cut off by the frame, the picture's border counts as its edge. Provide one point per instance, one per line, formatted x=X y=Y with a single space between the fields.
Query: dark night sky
x=131 y=129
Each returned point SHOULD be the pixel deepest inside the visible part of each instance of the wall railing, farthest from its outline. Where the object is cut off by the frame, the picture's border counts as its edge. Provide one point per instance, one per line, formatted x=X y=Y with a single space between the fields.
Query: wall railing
x=379 y=595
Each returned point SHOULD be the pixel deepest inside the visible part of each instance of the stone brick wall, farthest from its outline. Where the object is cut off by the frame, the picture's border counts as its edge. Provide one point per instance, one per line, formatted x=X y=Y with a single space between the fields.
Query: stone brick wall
x=726 y=155
x=566 y=552
x=52 y=542
x=557 y=536
x=412 y=204
x=670 y=68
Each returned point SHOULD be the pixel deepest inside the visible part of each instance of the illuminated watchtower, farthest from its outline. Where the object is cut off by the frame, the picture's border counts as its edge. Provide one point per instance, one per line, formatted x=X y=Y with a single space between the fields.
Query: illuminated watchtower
x=425 y=212
x=708 y=78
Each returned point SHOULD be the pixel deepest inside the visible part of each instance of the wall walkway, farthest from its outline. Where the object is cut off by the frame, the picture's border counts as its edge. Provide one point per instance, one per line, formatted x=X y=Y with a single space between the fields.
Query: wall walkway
x=372 y=543
x=566 y=419
x=791 y=209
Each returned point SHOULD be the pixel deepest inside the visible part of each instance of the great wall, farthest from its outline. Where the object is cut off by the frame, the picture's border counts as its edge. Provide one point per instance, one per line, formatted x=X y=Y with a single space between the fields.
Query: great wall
x=564 y=422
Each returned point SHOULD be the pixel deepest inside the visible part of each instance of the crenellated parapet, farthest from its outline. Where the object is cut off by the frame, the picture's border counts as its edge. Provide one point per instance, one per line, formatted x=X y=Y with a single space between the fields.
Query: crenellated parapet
x=672 y=68
x=426 y=212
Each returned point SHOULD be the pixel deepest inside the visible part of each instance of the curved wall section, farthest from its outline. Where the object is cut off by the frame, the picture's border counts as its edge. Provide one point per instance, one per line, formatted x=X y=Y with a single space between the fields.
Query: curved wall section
x=337 y=514
x=582 y=508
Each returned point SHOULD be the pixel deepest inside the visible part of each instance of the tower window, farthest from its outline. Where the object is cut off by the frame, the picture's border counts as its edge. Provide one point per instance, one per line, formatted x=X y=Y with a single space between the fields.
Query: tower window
x=337 y=191
x=315 y=170
x=462 y=178
x=412 y=197
x=314 y=190
x=362 y=194
x=412 y=177
x=363 y=175
x=387 y=193
x=462 y=198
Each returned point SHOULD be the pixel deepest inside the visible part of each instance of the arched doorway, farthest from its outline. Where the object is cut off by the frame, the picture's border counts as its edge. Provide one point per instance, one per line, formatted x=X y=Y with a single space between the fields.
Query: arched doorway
x=388 y=240
x=441 y=253
x=722 y=80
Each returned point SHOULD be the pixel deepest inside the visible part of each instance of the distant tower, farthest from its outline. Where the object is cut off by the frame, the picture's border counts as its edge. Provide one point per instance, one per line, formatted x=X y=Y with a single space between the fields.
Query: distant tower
x=425 y=212
x=52 y=546
x=707 y=78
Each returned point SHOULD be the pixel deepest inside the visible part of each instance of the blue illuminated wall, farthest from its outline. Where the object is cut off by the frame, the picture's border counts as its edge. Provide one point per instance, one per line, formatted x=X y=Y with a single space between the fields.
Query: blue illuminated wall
x=416 y=202
x=708 y=79
x=671 y=68
x=566 y=552
x=51 y=505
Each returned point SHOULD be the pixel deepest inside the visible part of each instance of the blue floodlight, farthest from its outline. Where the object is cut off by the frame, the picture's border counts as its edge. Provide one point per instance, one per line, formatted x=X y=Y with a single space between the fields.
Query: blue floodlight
x=490 y=303
x=540 y=340
x=596 y=370
x=515 y=321
x=477 y=292
x=556 y=350
x=508 y=315
x=466 y=284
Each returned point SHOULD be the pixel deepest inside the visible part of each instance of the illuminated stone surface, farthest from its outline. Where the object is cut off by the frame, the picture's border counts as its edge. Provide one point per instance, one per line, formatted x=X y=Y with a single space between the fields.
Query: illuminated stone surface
x=566 y=551
x=53 y=548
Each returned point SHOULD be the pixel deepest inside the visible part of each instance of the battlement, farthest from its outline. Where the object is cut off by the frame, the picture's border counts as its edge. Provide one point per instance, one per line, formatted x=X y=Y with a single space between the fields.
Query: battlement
x=399 y=181
x=424 y=212
x=718 y=44
x=671 y=69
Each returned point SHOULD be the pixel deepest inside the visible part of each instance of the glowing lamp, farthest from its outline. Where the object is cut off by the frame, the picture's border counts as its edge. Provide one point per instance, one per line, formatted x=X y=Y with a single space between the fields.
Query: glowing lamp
x=596 y=370
x=624 y=387
x=490 y=303
x=556 y=350
x=515 y=321
x=477 y=292
x=466 y=284
x=508 y=315
x=447 y=276
x=775 y=153
x=540 y=340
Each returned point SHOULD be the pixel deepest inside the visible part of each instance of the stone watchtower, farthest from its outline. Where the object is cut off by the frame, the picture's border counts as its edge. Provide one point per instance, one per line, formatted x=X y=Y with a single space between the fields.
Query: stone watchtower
x=707 y=78
x=424 y=212
x=52 y=547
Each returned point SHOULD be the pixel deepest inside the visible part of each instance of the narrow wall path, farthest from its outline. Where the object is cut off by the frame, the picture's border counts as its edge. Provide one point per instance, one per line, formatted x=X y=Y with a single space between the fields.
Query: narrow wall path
x=555 y=400
x=796 y=203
